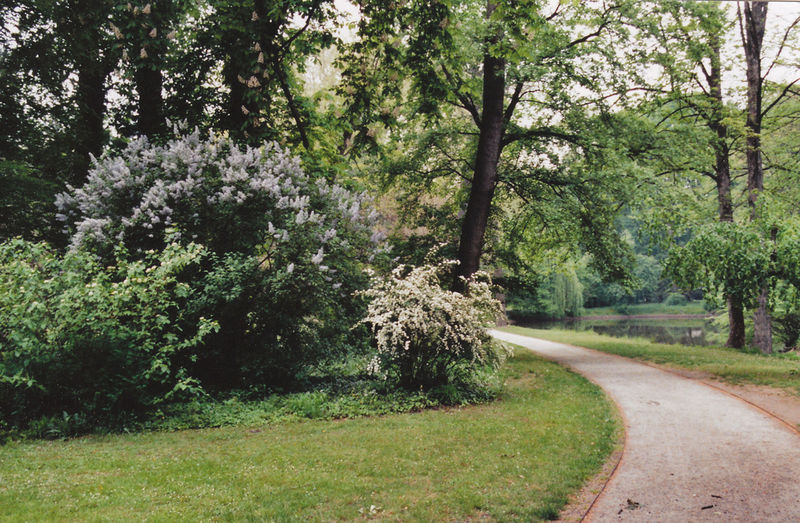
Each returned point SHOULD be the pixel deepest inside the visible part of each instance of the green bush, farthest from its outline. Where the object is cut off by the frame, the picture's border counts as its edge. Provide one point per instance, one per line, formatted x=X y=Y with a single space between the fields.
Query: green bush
x=427 y=336
x=26 y=202
x=79 y=337
x=676 y=299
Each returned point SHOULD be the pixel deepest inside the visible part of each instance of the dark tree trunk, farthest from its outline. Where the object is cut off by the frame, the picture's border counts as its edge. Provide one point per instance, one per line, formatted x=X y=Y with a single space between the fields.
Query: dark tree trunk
x=755 y=17
x=484 y=179
x=722 y=177
x=91 y=97
x=149 y=81
x=755 y=22
x=736 y=322
x=235 y=118
x=90 y=92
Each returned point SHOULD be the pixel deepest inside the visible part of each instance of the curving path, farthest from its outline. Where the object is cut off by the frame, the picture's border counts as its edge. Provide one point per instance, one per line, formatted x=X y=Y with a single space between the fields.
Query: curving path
x=692 y=453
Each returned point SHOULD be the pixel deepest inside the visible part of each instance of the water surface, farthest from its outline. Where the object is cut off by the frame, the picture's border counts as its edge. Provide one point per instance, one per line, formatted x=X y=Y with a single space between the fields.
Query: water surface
x=691 y=331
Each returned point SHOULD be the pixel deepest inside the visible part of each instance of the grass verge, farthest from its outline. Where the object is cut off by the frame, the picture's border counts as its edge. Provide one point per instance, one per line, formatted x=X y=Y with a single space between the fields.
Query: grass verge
x=731 y=365
x=517 y=458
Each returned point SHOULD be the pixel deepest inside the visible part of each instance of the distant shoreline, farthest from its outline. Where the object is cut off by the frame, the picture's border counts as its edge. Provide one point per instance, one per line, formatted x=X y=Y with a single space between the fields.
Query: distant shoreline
x=523 y=320
x=639 y=317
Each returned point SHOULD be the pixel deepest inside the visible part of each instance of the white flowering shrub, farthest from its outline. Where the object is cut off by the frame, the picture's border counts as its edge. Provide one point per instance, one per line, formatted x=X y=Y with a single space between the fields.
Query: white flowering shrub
x=426 y=335
x=287 y=249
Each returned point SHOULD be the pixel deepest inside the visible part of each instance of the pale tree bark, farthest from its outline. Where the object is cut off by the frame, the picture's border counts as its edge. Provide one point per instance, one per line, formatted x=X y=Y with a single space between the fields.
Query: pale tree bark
x=484 y=180
x=755 y=17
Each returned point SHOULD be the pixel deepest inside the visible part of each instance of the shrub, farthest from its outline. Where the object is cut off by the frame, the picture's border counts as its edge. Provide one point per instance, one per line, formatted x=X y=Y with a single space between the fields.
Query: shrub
x=427 y=336
x=78 y=336
x=676 y=298
x=287 y=250
x=253 y=200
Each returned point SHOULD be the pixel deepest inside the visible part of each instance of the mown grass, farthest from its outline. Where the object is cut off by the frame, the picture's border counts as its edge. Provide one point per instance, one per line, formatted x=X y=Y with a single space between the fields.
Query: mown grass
x=692 y=307
x=517 y=458
x=731 y=365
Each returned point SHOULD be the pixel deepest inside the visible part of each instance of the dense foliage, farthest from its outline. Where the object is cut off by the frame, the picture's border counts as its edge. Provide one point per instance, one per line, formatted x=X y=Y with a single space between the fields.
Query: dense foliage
x=78 y=336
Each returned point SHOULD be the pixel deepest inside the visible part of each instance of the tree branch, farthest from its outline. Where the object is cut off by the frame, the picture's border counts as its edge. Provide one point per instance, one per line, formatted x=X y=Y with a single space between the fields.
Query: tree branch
x=512 y=104
x=283 y=49
x=555 y=12
x=780 y=49
x=786 y=90
x=287 y=92
x=466 y=102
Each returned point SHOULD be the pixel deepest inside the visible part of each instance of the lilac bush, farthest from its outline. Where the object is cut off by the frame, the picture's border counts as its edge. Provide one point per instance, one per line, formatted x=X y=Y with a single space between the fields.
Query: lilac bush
x=287 y=248
x=225 y=197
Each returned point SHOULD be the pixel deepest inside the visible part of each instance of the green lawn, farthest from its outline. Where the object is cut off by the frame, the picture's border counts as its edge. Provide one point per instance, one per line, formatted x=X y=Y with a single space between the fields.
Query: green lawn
x=734 y=366
x=517 y=458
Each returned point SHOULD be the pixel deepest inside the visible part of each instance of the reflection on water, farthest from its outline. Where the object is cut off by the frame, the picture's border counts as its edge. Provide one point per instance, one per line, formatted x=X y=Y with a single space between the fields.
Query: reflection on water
x=683 y=331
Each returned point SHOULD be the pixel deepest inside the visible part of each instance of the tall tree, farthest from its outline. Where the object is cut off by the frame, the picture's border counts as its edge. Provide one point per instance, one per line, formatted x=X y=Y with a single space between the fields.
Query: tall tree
x=760 y=108
x=523 y=74
x=263 y=48
x=86 y=26
x=145 y=32
x=752 y=27
x=690 y=37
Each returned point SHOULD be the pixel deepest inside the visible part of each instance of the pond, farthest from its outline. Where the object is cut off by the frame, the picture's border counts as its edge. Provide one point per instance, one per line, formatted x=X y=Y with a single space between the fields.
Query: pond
x=685 y=331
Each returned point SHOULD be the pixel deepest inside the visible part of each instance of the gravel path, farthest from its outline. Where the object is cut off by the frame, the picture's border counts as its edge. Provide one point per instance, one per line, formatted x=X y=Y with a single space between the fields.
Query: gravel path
x=692 y=453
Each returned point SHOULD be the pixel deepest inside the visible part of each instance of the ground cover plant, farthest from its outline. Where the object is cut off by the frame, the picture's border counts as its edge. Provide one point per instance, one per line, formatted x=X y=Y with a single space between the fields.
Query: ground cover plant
x=335 y=390
x=732 y=365
x=517 y=458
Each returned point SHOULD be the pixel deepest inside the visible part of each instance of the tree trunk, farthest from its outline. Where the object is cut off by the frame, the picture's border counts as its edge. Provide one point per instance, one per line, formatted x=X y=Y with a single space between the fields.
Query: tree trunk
x=722 y=177
x=755 y=22
x=149 y=81
x=90 y=93
x=91 y=98
x=735 y=323
x=762 y=323
x=755 y=14
x=484 y=179
x=235 y=118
